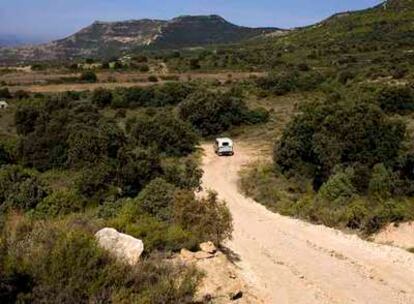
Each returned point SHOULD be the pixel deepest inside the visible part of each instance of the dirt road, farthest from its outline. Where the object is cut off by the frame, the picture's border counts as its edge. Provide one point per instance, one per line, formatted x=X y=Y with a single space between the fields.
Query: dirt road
x=288 y=261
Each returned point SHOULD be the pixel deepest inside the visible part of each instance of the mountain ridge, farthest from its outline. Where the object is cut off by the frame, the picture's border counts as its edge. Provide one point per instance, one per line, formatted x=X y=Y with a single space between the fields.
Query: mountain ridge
x=104 y=39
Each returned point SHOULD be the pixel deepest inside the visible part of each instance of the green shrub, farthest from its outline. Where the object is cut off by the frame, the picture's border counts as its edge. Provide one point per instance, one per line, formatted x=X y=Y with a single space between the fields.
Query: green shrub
x=21 y=94
x=339 y=189
x=136 y=169
x=153 y=96
x=327 y=134
x=194 y=64
x=213 y=112
x=157 y=199
x=156 y=234
x=381 y=184
x=356 y=214
x=152 y=78
x=61 y=263
x=391 y=211
x=25 y=119
x=5 y=93
x=60 y=203
x=144 y=68
x=207 y=218
x=165 y=133
x=281 y=83
x=183 y=173
x=161 y=236
x=5 y=157
x=88 y=76
x=396 y=99
x=95 y=183
x=345 y=76
x=86 y=146
x=101 y=97
x=278 y=83
x=20 y=188
x=257 y=116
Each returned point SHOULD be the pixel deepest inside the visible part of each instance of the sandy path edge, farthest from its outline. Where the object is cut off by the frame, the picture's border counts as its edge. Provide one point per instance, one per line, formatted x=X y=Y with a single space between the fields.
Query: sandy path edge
x=285 y=260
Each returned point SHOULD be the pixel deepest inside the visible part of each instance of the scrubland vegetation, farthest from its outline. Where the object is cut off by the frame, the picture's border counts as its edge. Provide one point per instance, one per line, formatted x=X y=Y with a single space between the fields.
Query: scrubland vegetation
x=75 y=162
x=127 y=159
x=346 y=158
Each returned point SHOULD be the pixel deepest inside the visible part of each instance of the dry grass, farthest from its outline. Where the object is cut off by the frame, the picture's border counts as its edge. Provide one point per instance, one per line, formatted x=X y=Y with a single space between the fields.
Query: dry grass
x=42 y=81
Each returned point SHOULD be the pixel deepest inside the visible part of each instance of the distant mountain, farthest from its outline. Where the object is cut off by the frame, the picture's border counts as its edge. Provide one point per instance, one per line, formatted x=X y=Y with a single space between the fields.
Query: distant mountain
x=16 y=40
x=104 y=39
x=10 y=41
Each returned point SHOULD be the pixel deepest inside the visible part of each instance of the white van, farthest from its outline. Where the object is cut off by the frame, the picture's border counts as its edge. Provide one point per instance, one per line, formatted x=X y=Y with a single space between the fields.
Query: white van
x=224 y=146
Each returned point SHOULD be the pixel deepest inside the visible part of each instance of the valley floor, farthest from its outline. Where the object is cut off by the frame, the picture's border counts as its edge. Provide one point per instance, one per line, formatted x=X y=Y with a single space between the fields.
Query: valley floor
x=289 y=261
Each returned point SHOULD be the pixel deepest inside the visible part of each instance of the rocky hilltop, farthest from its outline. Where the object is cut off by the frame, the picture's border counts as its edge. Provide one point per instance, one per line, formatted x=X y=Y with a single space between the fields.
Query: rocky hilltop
x=102 y=39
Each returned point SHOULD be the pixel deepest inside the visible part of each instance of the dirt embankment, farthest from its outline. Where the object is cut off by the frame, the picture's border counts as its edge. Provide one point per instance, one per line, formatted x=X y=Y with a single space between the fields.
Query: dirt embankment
x=285 y=260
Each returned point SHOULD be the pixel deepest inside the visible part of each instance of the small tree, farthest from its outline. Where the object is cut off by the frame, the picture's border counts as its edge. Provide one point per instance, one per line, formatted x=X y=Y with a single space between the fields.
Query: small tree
x=381 y=183
x=102 y=97
x=396 y=99
x=157 y=199
x=88 y=76
x=5 y=93
x=208 y=218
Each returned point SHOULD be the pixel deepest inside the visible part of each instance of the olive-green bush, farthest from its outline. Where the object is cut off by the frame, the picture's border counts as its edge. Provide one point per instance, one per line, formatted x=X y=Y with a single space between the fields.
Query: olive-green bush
x=60 y=262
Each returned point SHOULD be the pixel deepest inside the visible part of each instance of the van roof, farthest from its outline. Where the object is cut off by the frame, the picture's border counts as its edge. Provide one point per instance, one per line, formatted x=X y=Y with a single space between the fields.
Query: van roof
x=224 y=139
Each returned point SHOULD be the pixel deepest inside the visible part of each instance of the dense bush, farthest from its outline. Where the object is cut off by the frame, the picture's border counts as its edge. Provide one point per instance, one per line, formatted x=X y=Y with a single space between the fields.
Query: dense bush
x=5 y=93
x=171 y=219
x=157 y=199
x=183 y=173
x=165 y=133
x=396 y=99
x=63 y=132
x=88 y=76
x=215 y=112
x=4 y=156
x=325 y=135
x=101 y=97
x=62 y=263
x=207 y=218
x=339 y=189
x=280 y=83
x=60 y=203
x=20 y=188
x=154 y=96
x=338 y=202
x=135 y=169
x=382 y=182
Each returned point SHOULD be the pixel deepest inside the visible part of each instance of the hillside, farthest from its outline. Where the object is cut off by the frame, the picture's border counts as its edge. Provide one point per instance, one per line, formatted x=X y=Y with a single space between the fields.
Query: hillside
x=375 y=37
x=106 y=39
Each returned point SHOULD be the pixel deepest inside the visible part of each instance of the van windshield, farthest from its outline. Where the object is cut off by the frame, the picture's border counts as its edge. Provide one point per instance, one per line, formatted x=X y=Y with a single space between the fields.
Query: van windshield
x=226 y=144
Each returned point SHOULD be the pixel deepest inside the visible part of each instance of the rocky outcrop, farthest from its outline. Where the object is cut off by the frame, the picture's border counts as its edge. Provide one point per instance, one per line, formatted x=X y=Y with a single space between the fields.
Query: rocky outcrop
x=122 y=246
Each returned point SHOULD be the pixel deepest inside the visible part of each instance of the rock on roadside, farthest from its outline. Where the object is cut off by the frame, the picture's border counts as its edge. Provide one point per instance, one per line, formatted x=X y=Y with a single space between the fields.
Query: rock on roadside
x=123 y=247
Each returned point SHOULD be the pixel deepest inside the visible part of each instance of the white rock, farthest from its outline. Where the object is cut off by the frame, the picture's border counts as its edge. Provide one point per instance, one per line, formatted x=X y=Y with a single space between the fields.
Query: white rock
x=122 y=246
